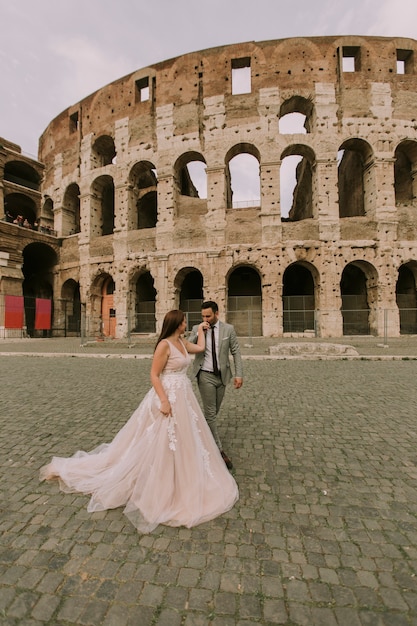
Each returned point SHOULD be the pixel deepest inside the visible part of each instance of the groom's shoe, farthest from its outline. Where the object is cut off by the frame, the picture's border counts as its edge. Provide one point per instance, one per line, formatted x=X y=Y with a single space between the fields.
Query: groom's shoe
x=226 y=459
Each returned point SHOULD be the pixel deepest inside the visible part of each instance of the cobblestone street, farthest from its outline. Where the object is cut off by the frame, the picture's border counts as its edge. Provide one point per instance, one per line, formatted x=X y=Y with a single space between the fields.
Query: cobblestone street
x=324 y=533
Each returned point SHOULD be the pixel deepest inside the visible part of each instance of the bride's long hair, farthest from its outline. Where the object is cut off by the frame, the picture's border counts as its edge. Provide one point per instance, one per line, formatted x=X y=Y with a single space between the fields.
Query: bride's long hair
x=170 y=324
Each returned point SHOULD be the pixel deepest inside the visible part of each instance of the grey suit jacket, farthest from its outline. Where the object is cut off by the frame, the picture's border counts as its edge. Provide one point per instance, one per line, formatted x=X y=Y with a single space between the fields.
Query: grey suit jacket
x=228 y=343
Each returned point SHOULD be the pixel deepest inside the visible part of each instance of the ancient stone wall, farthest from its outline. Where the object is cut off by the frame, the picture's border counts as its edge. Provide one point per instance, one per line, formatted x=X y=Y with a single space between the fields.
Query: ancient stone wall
x=117 y=173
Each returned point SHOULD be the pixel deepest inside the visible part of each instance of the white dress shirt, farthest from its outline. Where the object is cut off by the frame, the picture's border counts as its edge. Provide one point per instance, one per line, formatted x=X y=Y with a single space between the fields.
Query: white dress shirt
x=208 y=359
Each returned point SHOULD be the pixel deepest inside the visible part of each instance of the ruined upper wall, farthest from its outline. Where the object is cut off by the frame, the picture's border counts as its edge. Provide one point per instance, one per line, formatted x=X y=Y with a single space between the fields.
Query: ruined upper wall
x=288 y=67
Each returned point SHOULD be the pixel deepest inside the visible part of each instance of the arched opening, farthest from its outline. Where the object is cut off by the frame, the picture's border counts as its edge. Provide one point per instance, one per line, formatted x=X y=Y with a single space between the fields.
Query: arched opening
x=145 y=297
x=70 y=308
x=295 y=116
x=192 y=176
x=191 y=294
x=38 y=263
x=405 y=169
x=103 y=151
x=296 y=183
x=102 y=206
x=243 y=186
x=190 y=180
x=298 y=299
x=143 y=199
x=108 y=312
x=20 y=209
x=71 y=210
x=46 y=221
x=22 y=174
x=355 y=305
x=354 y=177
x=244 y=301
x=406 y=297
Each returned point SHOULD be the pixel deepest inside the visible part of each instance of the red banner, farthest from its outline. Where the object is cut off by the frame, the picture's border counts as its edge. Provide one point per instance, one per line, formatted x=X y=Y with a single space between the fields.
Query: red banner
x=43 y=314
x=13 y=315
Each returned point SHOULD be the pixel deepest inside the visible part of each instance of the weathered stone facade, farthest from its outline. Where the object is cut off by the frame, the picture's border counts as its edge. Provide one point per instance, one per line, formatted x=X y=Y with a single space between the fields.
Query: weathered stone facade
x=133 y=229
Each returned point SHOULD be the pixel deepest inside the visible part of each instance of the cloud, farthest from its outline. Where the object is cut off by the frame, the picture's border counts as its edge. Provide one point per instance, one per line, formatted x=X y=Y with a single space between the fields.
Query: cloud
x=85 y=66
x=394 y=19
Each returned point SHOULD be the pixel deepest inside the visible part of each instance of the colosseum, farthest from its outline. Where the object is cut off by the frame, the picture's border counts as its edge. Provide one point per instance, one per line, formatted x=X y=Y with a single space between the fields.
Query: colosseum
x=166 y=187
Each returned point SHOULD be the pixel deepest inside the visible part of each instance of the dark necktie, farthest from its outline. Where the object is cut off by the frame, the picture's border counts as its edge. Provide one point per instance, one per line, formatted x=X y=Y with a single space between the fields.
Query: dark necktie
x=213 y=352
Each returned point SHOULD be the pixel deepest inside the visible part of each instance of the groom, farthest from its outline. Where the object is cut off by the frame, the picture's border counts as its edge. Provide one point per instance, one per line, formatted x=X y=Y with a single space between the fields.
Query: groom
x=212 y=367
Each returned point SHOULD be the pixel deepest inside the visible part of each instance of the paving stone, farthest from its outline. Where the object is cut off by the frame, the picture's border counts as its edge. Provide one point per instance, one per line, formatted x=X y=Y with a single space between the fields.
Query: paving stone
x=324 y=532
x=45 y=608
x=167 y=617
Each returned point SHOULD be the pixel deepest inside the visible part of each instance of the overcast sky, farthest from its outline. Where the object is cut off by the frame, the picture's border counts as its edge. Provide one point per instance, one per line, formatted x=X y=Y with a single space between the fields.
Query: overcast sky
x=53 y=53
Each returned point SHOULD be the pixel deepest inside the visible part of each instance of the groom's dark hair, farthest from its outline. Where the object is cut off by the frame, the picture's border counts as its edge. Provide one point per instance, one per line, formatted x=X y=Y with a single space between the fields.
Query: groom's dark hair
x=210 y=304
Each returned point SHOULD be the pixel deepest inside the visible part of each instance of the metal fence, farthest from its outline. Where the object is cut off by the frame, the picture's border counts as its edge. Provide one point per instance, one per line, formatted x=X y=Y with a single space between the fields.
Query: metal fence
x=297 y=317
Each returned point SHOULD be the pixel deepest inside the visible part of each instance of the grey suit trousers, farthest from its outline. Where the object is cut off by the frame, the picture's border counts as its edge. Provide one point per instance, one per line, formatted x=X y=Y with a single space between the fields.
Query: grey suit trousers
x=212 y=393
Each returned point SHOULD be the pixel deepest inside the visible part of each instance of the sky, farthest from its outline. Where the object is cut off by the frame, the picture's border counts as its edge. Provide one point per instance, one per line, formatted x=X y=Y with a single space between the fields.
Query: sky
x=53 y=53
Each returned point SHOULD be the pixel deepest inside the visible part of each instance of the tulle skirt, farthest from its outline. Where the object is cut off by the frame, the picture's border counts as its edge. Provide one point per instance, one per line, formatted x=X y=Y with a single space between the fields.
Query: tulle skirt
x=161 y=470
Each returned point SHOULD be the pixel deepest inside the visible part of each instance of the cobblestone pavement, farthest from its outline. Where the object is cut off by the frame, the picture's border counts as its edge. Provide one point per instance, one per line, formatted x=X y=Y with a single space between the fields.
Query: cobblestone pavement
x=324 y=533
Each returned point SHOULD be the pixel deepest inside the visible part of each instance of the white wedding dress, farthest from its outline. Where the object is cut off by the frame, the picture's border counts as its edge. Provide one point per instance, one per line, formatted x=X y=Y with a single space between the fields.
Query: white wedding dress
x=162 y=470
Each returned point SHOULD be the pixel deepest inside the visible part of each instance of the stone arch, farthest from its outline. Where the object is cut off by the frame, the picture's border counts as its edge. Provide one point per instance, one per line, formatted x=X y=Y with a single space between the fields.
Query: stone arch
x=103 y=151
x=355 y=175
x=299 y=286
x=358 y=290
x=102 y=206
x=183 y=177
x=144 y=293
x=244 y=300
x=287 y=54
x=71 y=210
x=18 y=205
x=143 y=198
x=406 y=297
x=70 y=307
x=405 y=173
x=39 y=261
x=22 y=174
x=190 y=184
x=297 y=105
x=189 y=288
x=243 y=180
x=296 y=182
x=46 y=221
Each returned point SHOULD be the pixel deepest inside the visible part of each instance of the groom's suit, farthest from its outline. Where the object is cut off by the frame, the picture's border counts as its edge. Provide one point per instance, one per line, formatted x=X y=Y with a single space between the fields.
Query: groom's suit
x=212 y=387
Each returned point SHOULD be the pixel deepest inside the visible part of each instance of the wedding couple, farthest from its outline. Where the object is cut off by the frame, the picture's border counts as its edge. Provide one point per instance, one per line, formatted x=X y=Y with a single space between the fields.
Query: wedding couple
x=167 y=465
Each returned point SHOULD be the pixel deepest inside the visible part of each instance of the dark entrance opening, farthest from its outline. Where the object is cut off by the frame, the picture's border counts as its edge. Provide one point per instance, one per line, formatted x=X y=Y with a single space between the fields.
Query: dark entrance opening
x=244 y=302
x=355 y=308
x=191 y=297
x=298 y=301
x=38 y=262
x=406 y=300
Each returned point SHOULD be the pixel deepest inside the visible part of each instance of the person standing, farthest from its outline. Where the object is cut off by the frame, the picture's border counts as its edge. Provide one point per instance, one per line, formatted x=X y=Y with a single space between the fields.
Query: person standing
x=212 y=368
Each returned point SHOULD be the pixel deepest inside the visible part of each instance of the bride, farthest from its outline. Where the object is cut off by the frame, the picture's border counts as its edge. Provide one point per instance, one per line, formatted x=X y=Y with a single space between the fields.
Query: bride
x=163 y=466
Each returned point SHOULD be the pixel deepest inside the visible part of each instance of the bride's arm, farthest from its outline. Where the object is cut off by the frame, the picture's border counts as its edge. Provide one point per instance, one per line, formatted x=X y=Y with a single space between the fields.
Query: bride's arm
x=200 y=345
x=159 y=361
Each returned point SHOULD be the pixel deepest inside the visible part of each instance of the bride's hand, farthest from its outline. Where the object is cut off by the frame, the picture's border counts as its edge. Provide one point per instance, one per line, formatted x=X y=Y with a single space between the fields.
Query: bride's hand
x=166 y=408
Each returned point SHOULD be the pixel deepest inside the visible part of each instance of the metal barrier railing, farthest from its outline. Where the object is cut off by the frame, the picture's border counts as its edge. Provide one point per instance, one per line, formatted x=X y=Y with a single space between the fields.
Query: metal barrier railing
x=66 y=318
